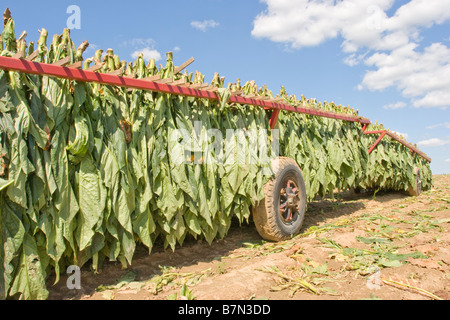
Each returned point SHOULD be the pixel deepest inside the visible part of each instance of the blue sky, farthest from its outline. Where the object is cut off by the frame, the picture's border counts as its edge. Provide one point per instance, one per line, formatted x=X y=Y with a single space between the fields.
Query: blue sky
x=389 y=59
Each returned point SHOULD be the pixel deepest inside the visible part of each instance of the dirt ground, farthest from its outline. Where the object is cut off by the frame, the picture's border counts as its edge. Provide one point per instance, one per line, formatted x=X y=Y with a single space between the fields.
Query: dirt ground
x=386 y=246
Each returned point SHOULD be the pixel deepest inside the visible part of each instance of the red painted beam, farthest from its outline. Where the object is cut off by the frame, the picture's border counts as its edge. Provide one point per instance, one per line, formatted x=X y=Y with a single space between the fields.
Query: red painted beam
x=43 y=69
x=19 y=65
x=103 y=78
x=377 y=142
x=375 y=132
x=408 y=145
x=398 y=139
x=23 y=66
x=365 y=127
x=274 y=118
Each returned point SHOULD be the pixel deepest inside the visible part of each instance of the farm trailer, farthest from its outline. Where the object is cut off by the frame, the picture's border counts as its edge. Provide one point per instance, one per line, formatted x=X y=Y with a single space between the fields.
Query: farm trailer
x=287 y=189
x=87 y=169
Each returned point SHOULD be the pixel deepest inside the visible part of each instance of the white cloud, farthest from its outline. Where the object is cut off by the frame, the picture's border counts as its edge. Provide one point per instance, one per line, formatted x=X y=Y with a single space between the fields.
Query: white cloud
x=395 y=106
x=423 y=77
x=445 y=125
x=311 y=22
x=144 y=46
x=404 y=135
x=148 y=54
x=139 y=43
x=447 y=160
x=361 y=23
x=204 y=25
x=354 y=59
x=434 y=99
x=435 y=142
x=420 y=13
x=390 y=44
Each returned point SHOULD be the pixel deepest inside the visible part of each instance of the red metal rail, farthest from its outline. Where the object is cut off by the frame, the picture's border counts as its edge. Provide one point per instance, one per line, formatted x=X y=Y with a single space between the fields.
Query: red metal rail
x=396 y=138
x=408 y=145
x=377 y=142
x=43 y=69
x=53 y=70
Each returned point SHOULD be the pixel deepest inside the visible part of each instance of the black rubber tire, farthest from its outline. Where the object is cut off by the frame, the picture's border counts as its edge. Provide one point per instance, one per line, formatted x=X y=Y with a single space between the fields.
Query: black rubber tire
x=266 y=214
x=416 y=189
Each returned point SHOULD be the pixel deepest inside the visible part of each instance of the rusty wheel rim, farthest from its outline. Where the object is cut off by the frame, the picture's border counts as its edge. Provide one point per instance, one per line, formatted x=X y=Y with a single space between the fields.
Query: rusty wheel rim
x=289 y=202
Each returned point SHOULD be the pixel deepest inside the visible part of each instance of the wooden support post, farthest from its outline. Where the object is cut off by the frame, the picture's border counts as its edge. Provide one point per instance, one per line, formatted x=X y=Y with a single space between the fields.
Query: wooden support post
x=183 y=66
x=18 y=55
x=211 y=89
x=152 y=78
x=76 y=65
x=167 y=81
x=178 y=82
x=198 y=85
x=95 y=67
x=63 y=62
x=117 y=72
x=32 y=56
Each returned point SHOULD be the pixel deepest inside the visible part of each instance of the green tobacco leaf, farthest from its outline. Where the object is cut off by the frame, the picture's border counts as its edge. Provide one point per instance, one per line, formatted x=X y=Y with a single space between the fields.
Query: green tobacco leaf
x=224 y=95
x=12 y=235
x=80 y=143
x=403 y=257
x=92 y=196
x=5 y=183
x=373 y=240
x=29 y=281
x=128 y=277
x=88 y=170
x=186 y=293
x=390 y=263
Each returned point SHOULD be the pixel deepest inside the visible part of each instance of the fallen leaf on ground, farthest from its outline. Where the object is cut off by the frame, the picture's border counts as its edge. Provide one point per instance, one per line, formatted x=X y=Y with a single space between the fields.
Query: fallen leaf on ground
x=295 y=249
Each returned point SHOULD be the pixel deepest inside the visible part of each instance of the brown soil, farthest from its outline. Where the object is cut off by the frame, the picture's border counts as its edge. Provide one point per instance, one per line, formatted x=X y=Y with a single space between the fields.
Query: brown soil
x=321 y=263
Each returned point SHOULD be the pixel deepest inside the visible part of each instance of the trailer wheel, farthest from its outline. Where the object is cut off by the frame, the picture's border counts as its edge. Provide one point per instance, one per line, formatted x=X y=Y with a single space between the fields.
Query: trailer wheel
x=416 y=189
x=280 y=215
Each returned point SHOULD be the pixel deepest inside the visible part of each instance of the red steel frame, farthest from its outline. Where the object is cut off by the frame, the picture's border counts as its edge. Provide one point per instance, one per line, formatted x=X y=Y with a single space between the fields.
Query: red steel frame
x=24 y=66
x=397 y=138
x=383 y=133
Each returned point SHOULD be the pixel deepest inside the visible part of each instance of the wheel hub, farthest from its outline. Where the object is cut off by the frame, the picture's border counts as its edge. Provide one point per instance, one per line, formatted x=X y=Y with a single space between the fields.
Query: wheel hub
x=419 y=183
x=289 y=201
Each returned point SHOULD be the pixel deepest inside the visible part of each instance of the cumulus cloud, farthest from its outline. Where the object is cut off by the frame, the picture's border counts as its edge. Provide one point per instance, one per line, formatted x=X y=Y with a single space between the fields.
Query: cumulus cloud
x=423 y=77
x=395 y=106
x=311 y=22
x=435 y=142
x=440 y=125
x=404 y=135
x=389 y=45
x=144 y=46
x=148 y=54
x=204 y=25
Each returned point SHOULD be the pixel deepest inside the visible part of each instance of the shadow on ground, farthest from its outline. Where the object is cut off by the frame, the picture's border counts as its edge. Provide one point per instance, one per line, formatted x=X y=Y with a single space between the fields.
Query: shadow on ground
x=194 y=252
